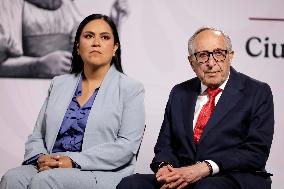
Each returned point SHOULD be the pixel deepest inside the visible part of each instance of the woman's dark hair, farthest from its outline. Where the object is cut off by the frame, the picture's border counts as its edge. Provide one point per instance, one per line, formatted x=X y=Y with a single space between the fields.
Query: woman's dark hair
x=77 y=63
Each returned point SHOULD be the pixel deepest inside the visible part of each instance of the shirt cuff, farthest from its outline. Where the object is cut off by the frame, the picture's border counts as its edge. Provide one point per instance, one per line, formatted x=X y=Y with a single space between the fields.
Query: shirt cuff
x=32 y=160
x=75 y=165
x=214 y=166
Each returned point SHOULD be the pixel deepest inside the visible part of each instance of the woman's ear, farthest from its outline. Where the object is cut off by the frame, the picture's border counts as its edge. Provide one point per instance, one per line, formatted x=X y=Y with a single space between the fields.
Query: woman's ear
x=115 y=49
x=77 y=44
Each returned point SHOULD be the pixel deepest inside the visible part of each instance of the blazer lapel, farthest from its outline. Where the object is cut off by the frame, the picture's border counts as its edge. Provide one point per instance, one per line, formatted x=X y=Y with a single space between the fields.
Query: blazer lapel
x=188 y=104
x=96 y=113
x=229 y=98
x=61 y=99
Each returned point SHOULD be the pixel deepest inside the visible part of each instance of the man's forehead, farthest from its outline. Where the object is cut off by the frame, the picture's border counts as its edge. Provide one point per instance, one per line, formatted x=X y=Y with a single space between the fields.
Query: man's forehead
x=209 y=33
x=209 y=39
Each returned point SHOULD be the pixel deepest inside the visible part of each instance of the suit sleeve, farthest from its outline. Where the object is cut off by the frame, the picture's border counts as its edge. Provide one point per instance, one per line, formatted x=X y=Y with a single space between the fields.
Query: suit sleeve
x=253 y=153
x=119 y=153
x=35 y=144
x=164 y=148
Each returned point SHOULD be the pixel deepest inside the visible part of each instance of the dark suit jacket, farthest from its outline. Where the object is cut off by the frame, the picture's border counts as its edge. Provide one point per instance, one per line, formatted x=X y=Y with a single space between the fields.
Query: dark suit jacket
x=237 y=136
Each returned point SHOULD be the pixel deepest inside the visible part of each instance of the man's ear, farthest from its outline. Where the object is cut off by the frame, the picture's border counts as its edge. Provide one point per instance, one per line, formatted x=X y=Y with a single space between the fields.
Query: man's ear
x=231 y=55
x=189 y=59
x=191 y=62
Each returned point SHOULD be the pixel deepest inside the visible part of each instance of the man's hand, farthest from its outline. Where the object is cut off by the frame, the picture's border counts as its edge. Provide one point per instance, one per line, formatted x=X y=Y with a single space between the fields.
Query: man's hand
x=46 y=162
x=162 y=173
x=181 y=177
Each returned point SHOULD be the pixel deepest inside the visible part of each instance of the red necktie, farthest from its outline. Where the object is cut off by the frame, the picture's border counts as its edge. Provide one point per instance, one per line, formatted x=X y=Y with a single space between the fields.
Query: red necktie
x=205 y=113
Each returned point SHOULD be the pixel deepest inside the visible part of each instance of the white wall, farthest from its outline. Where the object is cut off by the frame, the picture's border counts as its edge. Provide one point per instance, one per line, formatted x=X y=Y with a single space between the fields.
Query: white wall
x=154 y=51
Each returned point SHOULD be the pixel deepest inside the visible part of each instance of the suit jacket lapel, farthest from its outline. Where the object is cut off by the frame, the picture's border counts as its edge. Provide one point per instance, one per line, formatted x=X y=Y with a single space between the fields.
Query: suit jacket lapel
x=229 y=98
x=188 y=104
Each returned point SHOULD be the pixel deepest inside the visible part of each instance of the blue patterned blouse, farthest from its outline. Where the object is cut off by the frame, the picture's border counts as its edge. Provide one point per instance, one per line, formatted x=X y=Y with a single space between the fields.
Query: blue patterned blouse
x=71 y=133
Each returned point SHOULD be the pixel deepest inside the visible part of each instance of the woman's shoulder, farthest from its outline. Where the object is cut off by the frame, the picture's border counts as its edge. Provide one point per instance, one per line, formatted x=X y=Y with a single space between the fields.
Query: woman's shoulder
x=128 y=83
x=63 y=78
x=131 y=88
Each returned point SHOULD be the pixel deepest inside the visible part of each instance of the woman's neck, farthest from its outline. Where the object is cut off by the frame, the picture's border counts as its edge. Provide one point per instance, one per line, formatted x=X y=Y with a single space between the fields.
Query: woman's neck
x=95 y=74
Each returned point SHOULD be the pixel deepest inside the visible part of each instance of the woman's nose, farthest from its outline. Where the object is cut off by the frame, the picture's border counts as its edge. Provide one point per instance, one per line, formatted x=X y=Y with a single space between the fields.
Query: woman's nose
x=96 y=42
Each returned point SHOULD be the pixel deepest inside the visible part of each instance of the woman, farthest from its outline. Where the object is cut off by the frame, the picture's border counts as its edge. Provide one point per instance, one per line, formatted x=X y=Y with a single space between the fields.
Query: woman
x=92 y=144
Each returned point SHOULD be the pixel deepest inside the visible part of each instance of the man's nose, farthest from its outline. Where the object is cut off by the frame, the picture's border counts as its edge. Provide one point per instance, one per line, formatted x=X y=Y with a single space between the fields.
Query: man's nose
x=211 y=60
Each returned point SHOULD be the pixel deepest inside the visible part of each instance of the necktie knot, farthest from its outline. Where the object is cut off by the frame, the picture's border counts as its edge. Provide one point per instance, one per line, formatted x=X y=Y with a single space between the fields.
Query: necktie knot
x=213 y=92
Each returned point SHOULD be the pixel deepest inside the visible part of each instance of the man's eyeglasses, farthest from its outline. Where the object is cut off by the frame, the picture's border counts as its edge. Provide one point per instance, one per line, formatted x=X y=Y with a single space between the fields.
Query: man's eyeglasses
x=218 y=55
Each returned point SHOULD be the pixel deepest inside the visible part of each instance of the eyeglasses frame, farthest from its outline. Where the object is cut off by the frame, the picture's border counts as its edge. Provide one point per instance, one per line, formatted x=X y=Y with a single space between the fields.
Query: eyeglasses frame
x=211 y=53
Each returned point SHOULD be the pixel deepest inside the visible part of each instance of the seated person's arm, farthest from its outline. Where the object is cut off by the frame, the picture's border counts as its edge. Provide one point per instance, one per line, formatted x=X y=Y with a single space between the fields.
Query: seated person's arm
x=252 y=155
x=48 y=66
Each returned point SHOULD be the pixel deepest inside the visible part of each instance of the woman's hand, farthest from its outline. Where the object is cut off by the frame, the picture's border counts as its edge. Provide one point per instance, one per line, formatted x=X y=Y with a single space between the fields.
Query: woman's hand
x=63 y=161
x=46 y=162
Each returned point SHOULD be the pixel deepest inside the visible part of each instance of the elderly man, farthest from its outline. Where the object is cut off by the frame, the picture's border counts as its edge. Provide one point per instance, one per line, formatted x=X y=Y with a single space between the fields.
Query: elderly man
x=218 y=127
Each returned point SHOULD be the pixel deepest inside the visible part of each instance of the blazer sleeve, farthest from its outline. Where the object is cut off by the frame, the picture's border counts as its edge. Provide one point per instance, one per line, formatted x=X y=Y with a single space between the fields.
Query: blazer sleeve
x=253 y=153
x=163 y=150
x=36 y=144
x=119 y=153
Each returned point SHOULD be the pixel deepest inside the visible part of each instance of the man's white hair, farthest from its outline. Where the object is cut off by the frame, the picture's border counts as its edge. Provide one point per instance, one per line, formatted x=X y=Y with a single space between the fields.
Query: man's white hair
x=192 y=38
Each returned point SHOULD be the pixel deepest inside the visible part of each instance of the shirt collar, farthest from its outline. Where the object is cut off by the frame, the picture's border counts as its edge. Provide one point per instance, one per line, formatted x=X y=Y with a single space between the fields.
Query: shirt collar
x=204 y=87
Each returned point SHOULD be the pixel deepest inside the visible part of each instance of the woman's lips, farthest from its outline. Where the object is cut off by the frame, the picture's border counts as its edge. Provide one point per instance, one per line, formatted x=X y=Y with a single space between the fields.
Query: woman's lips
x=96 y=52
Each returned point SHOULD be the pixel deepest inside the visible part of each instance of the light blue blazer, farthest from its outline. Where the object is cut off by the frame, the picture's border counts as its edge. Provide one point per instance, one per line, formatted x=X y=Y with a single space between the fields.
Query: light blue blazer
x=113 y=132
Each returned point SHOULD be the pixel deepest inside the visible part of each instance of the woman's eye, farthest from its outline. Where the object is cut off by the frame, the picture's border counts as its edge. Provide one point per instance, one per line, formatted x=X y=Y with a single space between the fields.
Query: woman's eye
x=88 y=36
x=105 y=37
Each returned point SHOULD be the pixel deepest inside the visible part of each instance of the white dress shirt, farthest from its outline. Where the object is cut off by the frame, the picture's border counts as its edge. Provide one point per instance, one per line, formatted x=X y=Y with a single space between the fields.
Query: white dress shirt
x=201 y=100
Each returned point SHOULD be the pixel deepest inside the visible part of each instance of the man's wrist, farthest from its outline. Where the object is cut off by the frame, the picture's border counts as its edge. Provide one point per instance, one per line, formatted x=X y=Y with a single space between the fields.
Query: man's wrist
x=209 y=167
x=163 y=163
x=214 y=166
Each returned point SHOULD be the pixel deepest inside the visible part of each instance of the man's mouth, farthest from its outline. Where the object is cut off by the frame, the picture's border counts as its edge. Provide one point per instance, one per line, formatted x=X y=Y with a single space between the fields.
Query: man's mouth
x=212 y=73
